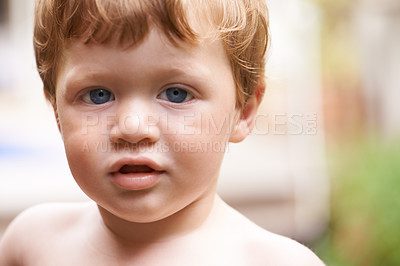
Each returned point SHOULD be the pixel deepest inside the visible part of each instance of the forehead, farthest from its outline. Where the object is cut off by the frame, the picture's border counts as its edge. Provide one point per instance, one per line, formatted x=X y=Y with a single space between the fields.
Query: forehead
x=155 y=54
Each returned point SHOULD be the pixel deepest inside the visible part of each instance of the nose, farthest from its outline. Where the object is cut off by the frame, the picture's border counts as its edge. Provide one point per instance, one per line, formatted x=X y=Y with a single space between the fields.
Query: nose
x=135 y=125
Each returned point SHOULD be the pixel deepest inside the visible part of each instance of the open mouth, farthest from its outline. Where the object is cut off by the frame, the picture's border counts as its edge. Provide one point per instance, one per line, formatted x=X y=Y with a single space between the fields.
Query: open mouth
x=131 y=168
x=136 y=176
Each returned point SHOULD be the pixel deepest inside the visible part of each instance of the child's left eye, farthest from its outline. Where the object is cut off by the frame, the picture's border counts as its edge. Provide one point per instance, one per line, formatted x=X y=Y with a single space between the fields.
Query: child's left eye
x=175 y=95
x=98 y=96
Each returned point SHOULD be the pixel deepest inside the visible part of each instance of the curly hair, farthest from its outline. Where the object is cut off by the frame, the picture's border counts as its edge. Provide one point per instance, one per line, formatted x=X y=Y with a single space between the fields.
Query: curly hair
x=242 y=25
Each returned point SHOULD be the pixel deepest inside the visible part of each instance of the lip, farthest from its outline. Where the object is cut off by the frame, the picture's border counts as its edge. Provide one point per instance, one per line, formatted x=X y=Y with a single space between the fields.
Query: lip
x=136 y=161
x=136 y=181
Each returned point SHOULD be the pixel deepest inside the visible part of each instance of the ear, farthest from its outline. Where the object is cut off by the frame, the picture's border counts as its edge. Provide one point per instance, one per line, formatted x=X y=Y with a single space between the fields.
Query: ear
x=244 y=124
x=56 y=116
x=52 y=101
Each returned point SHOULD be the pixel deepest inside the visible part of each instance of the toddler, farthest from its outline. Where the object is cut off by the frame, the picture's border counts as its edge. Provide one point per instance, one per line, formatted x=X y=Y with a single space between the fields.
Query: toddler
x=136 y=87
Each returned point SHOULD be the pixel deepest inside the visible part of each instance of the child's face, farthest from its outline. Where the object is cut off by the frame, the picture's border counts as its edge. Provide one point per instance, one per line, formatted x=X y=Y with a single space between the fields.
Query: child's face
x=168 y=108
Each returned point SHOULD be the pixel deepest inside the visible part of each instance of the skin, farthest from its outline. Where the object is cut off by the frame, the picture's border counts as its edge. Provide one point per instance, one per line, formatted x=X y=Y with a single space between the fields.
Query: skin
x=176 y=217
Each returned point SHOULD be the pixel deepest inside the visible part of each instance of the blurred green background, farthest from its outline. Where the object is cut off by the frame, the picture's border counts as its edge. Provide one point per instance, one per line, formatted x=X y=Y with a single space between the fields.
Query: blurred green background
x=365 y=204
x=360 y=73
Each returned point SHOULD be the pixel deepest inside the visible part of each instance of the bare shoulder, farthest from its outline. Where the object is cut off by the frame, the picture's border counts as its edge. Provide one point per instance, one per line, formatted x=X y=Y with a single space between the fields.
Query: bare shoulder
x=266 y=248
x=280 y=250
x=37 y=225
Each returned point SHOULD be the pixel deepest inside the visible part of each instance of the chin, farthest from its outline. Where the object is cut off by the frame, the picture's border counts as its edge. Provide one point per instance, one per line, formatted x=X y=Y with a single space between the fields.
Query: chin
x=135 y=214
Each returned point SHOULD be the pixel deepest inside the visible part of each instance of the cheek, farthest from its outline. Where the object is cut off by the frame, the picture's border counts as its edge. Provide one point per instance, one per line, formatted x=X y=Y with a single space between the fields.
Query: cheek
x=82 y=153
x=86 y=156
x=197 y=163
x=85 y=141
x=199 y=144
x=205 y=125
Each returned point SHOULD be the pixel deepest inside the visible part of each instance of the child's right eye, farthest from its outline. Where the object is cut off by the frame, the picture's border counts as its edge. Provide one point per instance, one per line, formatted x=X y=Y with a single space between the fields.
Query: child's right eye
x=98 y=96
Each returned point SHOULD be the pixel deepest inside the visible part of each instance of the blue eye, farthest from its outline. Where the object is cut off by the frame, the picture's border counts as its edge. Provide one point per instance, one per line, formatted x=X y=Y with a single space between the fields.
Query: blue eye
x=98 y=96
x=175 y=95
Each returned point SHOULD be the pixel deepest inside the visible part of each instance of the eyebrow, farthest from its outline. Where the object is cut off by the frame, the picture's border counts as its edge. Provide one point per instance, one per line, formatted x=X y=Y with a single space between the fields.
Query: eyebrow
x=190 y=71
x=195 y=73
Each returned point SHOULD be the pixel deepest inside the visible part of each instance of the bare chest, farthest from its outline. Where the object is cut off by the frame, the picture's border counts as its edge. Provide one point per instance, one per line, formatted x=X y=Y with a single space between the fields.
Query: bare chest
x=84 y=253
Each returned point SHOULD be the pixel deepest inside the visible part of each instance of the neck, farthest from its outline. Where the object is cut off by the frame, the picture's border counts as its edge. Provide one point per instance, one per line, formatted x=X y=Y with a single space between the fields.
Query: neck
x=180 y=224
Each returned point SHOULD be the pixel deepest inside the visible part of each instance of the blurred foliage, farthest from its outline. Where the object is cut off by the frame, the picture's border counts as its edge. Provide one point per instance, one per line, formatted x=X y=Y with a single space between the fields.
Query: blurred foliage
x=365 y=205
x=364 y=172
x=339 y=60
